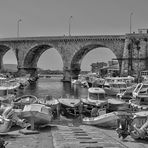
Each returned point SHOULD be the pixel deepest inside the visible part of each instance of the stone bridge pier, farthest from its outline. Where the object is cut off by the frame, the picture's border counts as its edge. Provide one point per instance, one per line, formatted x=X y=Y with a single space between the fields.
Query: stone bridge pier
x=32 y=71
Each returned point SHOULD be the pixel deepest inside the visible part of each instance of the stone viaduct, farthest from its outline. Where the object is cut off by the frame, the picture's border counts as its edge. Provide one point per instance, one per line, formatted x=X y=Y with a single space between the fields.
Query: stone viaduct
x=72 y=50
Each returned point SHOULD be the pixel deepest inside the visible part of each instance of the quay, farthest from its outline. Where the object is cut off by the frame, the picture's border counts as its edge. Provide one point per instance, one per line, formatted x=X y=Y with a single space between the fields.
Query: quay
x=71 y=136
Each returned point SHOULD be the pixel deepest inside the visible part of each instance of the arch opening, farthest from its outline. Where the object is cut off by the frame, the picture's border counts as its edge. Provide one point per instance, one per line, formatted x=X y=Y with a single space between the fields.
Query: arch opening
x=44 y=58
x=8 y=60
x=93 y=55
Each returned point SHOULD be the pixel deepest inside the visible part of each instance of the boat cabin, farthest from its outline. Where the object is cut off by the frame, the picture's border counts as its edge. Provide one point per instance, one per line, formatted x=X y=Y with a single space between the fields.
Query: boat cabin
x=95 y=94
x=95 y=103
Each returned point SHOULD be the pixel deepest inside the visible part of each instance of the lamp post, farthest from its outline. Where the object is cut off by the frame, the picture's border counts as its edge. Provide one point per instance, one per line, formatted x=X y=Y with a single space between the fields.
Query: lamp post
x=69 y=23
x=131 y=22
x=18 y=26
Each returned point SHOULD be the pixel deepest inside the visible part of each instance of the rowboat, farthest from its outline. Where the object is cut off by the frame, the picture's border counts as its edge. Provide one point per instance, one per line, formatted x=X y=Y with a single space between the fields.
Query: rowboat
x=37 y=114
x=69 y=107
x=104 y=120
x=20 y=102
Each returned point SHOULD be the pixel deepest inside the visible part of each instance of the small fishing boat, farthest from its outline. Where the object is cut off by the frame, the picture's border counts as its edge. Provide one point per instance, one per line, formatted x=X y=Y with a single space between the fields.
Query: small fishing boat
x=8 y=87
x=37 y=114
x=69 y=107
x=95 y=100
x=105 y=120
x=20 y=102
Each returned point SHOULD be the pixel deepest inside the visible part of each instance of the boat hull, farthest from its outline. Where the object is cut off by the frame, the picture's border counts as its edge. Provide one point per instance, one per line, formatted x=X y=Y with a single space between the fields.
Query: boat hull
x=105 y=120
x=37 y=114
x=20 y=102
x=69 y=108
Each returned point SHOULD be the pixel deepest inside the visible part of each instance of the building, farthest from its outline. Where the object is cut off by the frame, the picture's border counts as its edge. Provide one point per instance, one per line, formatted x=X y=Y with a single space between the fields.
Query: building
x=95 y=67
x=112 y=69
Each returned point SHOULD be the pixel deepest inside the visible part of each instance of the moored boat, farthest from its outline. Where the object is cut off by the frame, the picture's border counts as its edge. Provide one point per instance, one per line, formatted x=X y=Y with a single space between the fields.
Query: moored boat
x=95 y=100
x=114 y=88
x=117 y=105
x=115 y=85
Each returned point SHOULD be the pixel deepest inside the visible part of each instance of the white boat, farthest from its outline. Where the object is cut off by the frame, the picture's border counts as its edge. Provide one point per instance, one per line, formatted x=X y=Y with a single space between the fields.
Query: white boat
x=5 y=125
x=96 y=99
x=96 y=96
x=115 y=85
x=105 y=120
x=114 y=88
x=8 y=87
x=37 y=114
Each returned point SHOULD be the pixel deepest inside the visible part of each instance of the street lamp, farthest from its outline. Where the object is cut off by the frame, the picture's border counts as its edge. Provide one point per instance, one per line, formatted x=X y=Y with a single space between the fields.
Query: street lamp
x=69 y=23
x=18 y=26
x=131 y=22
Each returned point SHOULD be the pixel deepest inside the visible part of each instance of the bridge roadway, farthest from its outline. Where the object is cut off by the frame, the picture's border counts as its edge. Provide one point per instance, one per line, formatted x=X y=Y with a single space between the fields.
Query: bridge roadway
x=72 y=136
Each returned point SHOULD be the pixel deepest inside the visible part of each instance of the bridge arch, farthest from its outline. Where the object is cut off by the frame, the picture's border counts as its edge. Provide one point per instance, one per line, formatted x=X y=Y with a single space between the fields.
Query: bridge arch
x=32 y=57
x=79 y=55
x=3 y=50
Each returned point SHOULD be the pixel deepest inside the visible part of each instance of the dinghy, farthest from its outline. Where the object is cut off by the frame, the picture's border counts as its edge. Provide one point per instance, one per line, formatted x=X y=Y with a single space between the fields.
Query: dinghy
x=105 y=120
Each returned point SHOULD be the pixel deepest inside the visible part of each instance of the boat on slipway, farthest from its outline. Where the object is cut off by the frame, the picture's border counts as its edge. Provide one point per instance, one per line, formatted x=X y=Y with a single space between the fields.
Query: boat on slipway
x=21 y=101
x=69 y=107
x=36 y=114
x=104 y=120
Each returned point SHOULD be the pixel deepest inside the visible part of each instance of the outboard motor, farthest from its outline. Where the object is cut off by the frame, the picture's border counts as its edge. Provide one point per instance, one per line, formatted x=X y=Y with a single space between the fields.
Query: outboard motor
x=124 y=126
x=3 y=143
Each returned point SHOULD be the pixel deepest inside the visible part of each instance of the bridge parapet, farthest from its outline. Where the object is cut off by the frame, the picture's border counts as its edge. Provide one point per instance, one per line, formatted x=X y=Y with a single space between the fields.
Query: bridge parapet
x=65 y=38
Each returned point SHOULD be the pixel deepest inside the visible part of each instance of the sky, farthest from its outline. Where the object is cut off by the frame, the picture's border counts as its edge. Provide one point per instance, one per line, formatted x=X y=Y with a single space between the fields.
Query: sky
x=89 y=17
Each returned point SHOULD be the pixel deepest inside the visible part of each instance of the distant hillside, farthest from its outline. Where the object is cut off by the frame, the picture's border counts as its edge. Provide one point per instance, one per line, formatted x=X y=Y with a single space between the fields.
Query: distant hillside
x=10 y=67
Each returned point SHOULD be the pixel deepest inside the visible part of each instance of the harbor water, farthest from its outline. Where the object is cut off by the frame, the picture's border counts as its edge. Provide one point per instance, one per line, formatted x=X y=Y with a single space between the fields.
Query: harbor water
x=53 y=87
